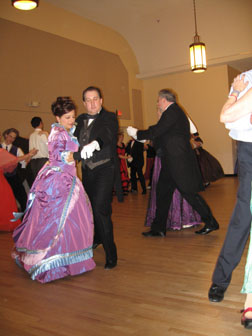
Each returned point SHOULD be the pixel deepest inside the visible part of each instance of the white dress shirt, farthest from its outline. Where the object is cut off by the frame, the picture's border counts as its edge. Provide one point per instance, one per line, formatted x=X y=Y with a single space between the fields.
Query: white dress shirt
x=40 y=143
x=241 y=129
x=19 y=153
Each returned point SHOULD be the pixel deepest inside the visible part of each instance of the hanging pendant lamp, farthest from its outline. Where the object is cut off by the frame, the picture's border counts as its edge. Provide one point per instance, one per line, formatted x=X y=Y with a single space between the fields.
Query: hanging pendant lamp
x=197 y=50
x=25 y=4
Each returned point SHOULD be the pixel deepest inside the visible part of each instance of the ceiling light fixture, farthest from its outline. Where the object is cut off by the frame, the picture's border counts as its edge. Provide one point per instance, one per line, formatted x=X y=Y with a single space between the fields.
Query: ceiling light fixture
x=25 y=4
x=197 y=50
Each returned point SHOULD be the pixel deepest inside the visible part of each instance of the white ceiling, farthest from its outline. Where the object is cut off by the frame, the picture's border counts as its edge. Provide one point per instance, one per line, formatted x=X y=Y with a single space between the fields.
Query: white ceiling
x=160 y=31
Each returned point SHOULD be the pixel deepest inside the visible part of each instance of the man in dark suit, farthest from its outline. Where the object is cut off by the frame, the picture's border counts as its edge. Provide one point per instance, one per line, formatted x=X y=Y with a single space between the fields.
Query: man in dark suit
x=14 y=178
x=97 y=134
x=135 y=149
x=180 y=170
x=23 y=173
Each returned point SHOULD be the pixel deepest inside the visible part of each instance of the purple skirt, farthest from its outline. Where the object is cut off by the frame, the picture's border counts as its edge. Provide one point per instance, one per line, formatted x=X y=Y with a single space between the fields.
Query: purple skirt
x=55 y=237
x=181 y=214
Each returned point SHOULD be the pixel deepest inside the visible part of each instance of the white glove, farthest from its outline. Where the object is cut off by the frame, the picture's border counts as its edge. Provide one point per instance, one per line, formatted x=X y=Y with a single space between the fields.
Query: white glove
x=88 y=150
x=193 y=128
x=132 y=132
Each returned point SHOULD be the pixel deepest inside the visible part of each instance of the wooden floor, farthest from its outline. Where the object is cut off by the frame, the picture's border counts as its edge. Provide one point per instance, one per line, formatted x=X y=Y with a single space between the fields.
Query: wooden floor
x=159 y=287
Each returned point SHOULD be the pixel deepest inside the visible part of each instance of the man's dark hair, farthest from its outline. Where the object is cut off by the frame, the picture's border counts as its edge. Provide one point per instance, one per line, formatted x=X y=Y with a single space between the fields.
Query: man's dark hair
x=168 y=95
x=35 y=122
x=91 y=88
x=10 y=130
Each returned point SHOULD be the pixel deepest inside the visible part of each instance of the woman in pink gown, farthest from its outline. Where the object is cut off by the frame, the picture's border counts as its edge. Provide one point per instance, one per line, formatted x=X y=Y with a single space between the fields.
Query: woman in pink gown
x=56 y=235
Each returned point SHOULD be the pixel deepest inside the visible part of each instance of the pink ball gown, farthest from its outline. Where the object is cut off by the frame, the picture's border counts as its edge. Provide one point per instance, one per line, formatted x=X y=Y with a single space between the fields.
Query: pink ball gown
x=55 y=237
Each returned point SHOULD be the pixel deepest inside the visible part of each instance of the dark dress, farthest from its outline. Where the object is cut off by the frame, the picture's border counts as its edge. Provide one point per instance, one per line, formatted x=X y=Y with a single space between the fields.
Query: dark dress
x=211 y=169
x=123 y=169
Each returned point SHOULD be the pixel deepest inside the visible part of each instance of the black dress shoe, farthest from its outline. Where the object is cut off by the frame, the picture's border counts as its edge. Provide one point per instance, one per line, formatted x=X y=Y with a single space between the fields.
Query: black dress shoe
x=95 y=245
x=143 y=192
x=152 y=233
x=205 y=230
x=211 y=225
x=110 y=265
x=216 y=293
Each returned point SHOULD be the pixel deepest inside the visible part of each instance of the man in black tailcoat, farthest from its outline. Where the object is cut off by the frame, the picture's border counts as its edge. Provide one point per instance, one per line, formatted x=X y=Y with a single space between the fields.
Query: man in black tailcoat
x=135 y=150
x=179 y=167
x=97 y=134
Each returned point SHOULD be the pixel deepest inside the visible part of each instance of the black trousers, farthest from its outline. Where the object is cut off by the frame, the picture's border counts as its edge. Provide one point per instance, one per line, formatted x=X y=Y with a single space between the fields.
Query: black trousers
x=98 y=183
x=36 y=165
x=165 y=189
x=18 y=190
x=137 y=170
x=240 y=223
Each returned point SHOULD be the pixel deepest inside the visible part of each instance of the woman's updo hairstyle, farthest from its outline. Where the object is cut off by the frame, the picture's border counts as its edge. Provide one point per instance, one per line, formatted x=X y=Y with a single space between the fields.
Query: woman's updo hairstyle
x=62 y=106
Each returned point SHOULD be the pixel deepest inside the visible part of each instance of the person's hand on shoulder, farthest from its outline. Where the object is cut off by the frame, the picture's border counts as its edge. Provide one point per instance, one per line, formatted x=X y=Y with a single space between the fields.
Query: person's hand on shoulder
x=44 y=132
x=33 y=152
